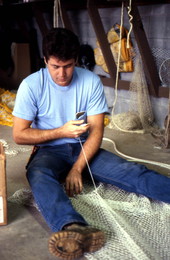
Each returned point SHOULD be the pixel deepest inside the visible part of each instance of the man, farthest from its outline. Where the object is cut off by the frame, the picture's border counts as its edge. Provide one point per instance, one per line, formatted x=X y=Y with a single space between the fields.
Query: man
x=45 y=116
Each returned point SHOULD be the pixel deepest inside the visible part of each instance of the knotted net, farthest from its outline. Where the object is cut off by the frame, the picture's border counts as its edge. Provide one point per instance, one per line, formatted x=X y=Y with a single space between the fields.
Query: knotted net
x=136 y=228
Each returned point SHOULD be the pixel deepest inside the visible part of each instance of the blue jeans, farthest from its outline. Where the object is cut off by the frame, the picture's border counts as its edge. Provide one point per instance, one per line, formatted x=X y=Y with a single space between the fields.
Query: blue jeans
x=50 y=165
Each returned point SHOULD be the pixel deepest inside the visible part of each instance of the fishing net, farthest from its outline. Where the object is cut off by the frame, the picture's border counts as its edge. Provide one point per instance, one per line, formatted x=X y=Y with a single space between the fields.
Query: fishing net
x=135 y=226
x=12 y=150
x=164 y=73
x=137 y=116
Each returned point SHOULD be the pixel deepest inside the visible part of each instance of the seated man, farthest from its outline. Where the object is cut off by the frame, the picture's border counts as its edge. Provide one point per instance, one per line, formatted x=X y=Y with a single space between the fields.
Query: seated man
x=45 y=116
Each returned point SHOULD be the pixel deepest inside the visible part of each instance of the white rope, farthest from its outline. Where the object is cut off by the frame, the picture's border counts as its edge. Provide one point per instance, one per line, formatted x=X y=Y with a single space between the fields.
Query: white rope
x=61 y=16
x=163 y=165
x=57 y=13
x=88 y=166
x=130 y=19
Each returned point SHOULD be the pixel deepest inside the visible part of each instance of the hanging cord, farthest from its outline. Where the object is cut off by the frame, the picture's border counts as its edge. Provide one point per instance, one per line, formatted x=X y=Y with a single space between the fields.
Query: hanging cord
x=57 y=13
x=130 y=21
x=88 y=166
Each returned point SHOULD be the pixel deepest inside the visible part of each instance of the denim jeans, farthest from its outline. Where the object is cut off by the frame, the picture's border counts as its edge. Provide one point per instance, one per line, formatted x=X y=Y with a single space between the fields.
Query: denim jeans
x=50 y=165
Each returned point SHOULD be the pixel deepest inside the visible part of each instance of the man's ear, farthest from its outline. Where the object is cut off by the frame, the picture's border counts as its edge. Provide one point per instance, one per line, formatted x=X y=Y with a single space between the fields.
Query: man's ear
x=45 y=61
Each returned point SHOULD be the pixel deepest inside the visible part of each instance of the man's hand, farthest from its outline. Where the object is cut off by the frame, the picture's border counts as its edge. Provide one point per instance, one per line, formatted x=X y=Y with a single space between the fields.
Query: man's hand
x=74 y=128
x=74 y=183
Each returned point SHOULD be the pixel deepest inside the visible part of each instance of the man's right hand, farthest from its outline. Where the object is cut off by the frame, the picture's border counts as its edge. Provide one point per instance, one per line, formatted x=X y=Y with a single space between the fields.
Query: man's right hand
x=74 y=128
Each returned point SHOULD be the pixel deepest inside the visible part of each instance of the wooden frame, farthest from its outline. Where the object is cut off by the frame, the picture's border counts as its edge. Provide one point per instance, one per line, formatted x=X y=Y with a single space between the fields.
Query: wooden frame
x=37 y=7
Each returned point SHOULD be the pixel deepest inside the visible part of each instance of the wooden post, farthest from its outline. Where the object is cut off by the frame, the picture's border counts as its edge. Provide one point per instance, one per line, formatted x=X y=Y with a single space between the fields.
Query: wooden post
x=3 y=195
x=102 y=38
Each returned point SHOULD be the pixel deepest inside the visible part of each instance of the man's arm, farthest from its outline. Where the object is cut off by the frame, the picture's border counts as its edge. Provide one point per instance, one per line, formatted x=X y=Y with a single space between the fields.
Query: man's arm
x=24 y=134
x=93 y=141
x=74 y=183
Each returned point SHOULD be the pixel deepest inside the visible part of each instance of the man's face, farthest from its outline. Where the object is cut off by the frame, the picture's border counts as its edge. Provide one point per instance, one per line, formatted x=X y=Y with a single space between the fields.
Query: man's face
x=60 y=71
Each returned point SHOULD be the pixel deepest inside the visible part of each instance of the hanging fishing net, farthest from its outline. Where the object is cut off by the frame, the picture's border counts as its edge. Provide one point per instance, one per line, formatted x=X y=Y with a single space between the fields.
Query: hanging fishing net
x=138 y=116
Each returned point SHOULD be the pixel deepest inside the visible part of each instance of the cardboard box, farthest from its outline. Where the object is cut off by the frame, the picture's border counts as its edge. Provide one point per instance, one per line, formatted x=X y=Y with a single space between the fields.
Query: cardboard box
x=3 y=187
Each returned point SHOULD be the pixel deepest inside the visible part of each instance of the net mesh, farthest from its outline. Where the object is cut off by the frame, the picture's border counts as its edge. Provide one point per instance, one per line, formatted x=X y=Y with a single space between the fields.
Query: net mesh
x=138 y=116
x=140 y=100
x=160 y=56
x=14 y=150
x=135 y=226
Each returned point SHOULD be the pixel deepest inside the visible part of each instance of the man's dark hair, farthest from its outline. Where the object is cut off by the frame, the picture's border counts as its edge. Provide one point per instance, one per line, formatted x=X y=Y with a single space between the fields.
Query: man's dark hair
x=61 y=43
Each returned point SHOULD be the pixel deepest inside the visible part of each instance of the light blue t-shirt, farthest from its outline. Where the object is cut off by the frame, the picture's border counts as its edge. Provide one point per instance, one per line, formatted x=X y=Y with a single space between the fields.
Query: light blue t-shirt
x=50 y=106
